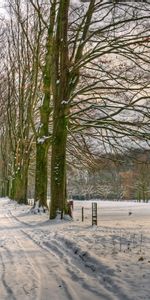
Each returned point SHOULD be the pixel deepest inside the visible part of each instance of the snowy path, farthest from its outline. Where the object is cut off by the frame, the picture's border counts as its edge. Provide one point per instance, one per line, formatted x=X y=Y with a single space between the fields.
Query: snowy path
x=31 y=271
x=25 y=271
x=54 y=260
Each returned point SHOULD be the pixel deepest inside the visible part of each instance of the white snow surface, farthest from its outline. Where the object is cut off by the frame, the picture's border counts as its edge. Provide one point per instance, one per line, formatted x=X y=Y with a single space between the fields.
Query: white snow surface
x=44 y=259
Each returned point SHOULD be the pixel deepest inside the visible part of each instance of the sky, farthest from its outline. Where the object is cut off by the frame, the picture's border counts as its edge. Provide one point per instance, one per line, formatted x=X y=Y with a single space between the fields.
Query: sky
x=2 y=11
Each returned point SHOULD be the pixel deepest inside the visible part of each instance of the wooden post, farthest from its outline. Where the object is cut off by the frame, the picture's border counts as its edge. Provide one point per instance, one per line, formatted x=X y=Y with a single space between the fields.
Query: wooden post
x=82 y=214
x=94 y=213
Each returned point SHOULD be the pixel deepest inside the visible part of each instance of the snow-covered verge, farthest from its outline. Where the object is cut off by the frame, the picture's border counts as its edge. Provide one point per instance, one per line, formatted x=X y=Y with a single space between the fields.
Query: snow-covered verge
x=108 y=261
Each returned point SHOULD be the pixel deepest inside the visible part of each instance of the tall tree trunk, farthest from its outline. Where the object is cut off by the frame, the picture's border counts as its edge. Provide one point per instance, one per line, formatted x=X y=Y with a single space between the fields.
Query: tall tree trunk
x=41 y=174
x=58 y=164
x=43 y=138
x=60 y=112
x=20 y=184
x=4 y=180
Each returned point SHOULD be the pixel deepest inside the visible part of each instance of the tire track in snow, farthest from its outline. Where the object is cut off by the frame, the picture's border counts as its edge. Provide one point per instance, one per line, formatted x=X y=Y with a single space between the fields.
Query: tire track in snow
x=17 y=277
x=73 y=263
x=76 y=267
x=49 y=278
x=9 y=291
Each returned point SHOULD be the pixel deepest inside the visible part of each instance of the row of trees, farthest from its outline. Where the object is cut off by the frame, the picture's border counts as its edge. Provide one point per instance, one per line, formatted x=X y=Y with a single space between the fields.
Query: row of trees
x=71 y=73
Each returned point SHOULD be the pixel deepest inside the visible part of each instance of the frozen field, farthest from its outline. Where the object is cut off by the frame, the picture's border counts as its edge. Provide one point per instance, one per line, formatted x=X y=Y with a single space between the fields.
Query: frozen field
x=62 y=260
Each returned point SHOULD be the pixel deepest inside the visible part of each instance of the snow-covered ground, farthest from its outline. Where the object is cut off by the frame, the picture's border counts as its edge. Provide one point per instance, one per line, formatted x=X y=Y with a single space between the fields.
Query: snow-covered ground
x=61 y=260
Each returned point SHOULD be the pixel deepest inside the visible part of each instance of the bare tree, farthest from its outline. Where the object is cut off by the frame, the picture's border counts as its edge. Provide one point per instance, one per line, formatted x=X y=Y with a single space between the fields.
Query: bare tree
x=22 y=88
x=101 y=51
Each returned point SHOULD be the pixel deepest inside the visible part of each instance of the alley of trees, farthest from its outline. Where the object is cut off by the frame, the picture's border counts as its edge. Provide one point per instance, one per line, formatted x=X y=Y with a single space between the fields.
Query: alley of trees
x=74 y=84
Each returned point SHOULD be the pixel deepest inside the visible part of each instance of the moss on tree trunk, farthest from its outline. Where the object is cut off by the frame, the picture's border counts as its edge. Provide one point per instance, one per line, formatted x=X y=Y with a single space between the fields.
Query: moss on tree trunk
x=58 y=165
x=19 y=185
x=41 y=174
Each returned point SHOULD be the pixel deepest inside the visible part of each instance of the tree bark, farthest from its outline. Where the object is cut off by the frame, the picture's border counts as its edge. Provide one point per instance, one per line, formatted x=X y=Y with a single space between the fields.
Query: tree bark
x=19 y=185
x=41 y=175
x=43 y=136
x=58 y=164
x=60 y=112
